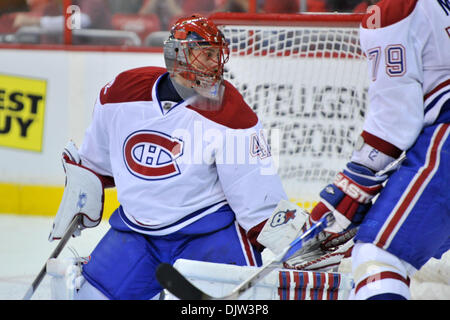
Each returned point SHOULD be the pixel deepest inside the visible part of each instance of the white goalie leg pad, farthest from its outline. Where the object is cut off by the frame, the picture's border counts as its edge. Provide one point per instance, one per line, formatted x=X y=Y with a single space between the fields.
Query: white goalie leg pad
x=218 y=279
x=376 y=271
x=83 y=194
x=283 y=226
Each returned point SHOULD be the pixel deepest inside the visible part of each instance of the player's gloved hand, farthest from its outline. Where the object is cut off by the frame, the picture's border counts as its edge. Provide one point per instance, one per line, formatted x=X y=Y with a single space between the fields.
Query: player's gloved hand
x=348 y=198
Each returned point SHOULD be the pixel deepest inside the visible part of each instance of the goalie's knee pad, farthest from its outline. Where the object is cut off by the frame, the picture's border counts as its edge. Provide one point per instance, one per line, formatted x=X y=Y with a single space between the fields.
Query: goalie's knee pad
x=378 y=273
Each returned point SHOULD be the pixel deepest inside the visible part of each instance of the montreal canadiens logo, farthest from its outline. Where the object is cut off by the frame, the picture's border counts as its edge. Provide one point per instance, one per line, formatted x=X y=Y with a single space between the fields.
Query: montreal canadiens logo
x=151 y=155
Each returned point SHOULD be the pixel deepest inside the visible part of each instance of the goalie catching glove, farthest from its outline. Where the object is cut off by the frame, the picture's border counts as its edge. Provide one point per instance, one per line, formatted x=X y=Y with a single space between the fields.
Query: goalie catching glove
x=349 y=197
x=83 y=195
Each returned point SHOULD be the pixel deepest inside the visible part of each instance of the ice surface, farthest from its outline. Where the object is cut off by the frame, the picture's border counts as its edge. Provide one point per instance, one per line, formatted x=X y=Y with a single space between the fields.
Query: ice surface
x=24 y=248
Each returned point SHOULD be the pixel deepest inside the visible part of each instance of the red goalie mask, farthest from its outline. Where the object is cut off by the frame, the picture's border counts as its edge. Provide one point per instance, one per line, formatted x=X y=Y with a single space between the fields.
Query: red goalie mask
x=197 y=51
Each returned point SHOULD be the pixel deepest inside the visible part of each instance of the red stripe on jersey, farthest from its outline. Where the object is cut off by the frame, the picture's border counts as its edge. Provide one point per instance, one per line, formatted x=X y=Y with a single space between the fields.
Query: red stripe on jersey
x=381 y=276
x=436 y=89
x=391 y=11
x=399 y=213
x=253 y=234
x=381 y=145
x=131 y=85
x=247 y=247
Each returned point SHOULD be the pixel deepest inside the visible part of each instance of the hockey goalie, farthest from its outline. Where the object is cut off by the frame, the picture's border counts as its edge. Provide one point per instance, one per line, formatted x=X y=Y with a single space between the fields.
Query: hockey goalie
x=194 y=175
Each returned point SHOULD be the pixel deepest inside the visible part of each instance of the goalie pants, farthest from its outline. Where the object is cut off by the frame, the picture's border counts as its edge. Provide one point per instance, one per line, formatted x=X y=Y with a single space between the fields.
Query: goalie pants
x=411 y=217
x=123 y=264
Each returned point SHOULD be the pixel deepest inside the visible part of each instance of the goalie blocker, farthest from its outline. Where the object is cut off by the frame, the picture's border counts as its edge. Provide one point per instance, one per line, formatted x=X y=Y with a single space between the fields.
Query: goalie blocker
x=287 y=222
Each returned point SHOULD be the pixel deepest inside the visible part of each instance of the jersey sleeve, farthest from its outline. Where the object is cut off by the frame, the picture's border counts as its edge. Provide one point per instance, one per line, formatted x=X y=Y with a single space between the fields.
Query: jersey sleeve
x=94 y=150
x=396 y=110
x=248 y=176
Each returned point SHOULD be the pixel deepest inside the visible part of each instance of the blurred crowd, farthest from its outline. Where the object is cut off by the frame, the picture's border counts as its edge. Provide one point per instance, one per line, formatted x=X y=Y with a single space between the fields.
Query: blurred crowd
x=146 y=16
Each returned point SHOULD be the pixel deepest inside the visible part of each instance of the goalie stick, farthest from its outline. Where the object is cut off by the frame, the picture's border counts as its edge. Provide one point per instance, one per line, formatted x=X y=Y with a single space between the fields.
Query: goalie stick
x=37 y=281
x=172 y=280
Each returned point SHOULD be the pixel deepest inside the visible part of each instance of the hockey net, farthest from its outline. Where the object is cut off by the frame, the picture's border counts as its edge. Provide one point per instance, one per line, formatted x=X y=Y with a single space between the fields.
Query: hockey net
x=305 y=76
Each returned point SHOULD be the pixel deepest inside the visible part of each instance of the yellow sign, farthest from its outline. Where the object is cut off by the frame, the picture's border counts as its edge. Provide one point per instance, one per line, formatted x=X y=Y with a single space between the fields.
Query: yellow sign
x=22 y=109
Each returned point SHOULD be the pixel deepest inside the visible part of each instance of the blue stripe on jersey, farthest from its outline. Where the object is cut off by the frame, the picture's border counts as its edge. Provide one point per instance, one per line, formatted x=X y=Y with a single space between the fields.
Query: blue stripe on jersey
x=145 y=229
x=430 y=105
x=444 y=115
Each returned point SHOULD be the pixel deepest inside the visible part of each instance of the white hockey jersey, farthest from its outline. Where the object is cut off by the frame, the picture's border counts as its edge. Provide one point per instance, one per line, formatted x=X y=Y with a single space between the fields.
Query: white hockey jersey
x=407 y=44
x=174 y=164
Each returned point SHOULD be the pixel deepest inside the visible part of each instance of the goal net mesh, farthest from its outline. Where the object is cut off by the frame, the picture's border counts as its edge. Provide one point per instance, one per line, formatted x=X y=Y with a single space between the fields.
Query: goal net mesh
x=308 y=85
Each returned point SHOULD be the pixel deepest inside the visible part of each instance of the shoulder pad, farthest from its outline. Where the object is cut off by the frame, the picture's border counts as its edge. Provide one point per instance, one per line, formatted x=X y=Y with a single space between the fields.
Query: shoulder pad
x=391 y=11
x=131 y=85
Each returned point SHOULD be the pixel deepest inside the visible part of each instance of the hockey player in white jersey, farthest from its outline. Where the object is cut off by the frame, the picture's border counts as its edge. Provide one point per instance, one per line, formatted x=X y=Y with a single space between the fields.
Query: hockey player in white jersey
x=193 y=172
x=407 y=44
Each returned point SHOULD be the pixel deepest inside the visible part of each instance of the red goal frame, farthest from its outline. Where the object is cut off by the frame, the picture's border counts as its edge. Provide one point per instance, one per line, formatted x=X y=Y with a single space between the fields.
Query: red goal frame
x=288 y=19
x=336 y=20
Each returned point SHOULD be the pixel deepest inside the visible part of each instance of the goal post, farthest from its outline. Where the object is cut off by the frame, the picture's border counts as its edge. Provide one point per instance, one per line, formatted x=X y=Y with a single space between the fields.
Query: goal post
x=306 y=78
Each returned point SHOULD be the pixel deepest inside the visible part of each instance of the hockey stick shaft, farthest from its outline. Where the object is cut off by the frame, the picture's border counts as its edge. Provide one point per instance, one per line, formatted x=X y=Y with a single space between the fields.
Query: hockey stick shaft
x=37 y=281
x=392 y=166
x=297 y=245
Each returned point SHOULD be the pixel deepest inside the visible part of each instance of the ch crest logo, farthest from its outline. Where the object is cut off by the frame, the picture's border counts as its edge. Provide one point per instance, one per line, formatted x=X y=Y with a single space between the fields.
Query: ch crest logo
x=151 y=155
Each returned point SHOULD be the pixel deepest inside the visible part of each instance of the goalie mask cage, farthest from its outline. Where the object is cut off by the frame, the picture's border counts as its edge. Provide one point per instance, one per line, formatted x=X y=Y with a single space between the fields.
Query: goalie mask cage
x=306 y=77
